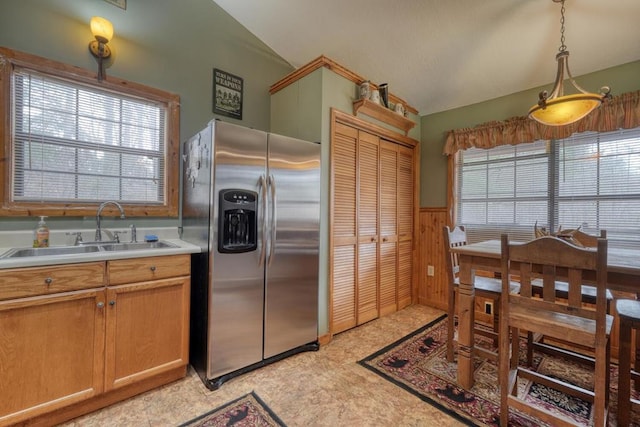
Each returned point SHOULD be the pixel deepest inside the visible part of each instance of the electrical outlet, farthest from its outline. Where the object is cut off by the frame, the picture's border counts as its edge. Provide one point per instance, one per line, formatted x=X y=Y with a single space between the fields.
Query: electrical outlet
x=488 y=307
x=430 y=270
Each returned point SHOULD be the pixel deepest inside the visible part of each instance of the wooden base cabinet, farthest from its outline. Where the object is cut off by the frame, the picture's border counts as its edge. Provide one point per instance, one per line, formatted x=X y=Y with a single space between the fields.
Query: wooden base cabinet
x=51 y=352
x=146 y=330
x=147 y=320
x=68 y=352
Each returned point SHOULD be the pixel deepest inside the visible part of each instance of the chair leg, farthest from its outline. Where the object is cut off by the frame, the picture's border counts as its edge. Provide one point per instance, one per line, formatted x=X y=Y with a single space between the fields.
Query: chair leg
x=636 y=361
x=624 y=381
x=496 y=321
x=515 y=349
x=504 y=362
x=600 y=392
x=529 y=349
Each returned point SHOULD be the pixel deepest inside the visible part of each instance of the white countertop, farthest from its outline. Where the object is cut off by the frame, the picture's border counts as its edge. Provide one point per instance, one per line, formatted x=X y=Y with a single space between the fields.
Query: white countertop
x=11 y=240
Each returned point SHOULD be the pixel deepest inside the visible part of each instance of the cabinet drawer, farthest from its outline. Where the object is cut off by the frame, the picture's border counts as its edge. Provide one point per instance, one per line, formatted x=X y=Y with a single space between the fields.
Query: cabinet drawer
x=143 y=269
x=26 y=282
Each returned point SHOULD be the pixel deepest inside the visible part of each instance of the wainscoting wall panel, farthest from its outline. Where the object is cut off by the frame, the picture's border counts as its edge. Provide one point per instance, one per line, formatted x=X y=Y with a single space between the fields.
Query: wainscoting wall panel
x=432 y=289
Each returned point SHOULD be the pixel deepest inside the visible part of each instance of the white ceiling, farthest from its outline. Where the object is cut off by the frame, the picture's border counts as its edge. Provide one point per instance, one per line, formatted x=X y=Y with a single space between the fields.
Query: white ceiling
x=443 y=54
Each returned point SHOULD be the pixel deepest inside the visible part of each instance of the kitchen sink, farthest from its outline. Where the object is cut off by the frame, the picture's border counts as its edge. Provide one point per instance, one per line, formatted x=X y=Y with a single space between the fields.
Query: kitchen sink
x=61 y=250
x=85 y=249
x=136 y=246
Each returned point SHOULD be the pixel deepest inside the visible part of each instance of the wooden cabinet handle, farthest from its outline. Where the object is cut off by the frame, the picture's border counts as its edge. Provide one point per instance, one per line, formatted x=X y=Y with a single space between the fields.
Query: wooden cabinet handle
x=373 y=239
x=384 y=239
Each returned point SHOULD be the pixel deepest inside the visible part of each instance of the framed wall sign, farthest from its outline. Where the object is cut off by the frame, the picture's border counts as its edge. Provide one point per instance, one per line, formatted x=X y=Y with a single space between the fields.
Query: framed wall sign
x=227 y=94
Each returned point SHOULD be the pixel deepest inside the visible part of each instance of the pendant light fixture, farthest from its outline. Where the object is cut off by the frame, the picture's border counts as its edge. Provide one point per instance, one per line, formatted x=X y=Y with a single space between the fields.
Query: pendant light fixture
x=557 y=109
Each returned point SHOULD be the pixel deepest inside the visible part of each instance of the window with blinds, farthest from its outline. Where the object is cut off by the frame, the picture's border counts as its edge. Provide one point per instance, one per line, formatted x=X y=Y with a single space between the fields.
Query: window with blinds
x=79 y=143
x=589 y=180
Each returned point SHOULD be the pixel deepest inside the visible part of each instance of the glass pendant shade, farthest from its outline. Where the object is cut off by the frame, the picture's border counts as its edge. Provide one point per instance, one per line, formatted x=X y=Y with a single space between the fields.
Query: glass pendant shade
x=565 y=109
x=101 y=29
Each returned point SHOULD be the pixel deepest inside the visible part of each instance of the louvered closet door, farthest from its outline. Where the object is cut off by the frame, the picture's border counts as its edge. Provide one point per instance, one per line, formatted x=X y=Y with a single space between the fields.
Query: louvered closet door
x=343 y=261
x=405 y=224
x=367 y=171
x=388 y=243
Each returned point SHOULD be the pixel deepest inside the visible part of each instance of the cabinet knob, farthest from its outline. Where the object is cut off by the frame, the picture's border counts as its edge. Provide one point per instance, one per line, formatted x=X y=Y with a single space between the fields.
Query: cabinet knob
x=152 y=268
x=48 y=280
x=112 y=303
x=384 y=239
x=100 y=304
x=373 y=239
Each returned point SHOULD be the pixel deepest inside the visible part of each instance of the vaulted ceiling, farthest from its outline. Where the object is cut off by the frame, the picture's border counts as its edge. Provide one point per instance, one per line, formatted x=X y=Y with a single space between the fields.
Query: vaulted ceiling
x=439 y=55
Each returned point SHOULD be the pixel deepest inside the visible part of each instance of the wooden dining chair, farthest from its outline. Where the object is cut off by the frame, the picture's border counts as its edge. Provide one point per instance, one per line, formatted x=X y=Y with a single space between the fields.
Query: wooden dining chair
x=587 y=292
x=554 y=259
x=485 y=287
x=629 y=315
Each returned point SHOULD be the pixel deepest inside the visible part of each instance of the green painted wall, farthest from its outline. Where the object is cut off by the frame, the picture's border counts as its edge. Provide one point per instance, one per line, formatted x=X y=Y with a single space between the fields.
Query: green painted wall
x=303 y=110
x=433 y=186
x=171 y=45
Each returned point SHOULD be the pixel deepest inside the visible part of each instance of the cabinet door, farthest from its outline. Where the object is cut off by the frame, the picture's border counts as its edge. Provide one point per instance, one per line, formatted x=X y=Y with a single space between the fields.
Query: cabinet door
x=388 y=226
x=147 y=330
x=51 y=352
x=344 y=233
x=406 y=181
x=368 y=181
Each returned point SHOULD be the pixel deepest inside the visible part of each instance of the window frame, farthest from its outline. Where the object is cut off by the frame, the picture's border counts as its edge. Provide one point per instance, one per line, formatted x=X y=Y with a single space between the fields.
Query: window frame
x=8 y=60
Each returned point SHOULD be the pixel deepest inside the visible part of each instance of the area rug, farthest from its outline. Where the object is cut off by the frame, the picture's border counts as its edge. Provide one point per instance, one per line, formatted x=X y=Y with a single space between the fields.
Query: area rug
x=418 y=363
x=246 y=411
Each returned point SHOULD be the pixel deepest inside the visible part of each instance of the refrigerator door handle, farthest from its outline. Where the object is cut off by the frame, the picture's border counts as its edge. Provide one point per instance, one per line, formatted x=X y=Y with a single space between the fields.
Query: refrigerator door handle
x=262 y=193
x=272 y=243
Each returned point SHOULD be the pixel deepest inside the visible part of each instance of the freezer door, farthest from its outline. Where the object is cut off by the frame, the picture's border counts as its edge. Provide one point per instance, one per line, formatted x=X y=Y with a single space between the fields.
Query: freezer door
x=291 y=289
x=237 y=287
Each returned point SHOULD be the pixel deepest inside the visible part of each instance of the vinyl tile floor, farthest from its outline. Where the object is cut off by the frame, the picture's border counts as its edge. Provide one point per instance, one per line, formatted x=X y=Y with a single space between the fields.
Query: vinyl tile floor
x=323 y=388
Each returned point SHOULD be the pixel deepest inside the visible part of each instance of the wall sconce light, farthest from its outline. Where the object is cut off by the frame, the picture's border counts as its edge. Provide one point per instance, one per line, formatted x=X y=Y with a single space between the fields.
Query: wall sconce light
x=103 y=32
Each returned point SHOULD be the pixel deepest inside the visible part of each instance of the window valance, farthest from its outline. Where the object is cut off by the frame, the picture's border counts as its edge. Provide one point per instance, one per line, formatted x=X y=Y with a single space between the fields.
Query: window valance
x=620 y=112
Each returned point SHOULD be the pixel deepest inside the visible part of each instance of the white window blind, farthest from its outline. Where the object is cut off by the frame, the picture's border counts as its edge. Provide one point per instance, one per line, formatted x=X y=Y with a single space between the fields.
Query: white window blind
x=77 y=143
x=589 y=180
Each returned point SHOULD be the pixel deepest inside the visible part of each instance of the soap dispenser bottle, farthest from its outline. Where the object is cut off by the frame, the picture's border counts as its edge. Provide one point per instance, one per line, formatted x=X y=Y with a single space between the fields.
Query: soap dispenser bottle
x=41 y=234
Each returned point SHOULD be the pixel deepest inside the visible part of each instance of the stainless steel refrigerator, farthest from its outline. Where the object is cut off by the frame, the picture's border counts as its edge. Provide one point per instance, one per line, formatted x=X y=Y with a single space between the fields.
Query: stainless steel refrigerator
x=251 y=201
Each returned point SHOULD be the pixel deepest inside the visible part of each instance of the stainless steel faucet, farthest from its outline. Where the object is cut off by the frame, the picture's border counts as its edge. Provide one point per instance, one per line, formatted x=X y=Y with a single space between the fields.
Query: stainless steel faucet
x=98 y=237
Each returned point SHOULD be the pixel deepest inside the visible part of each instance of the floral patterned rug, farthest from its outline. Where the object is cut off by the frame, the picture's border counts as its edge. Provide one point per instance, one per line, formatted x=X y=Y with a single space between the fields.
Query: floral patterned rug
x=246 y=411
x=418 y=363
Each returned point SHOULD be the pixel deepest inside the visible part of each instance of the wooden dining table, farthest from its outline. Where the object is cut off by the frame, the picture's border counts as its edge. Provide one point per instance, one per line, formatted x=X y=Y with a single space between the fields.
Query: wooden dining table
x=623 y=274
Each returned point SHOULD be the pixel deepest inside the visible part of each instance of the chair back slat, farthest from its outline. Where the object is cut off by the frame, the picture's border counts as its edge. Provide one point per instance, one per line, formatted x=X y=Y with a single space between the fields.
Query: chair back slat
x=574 y=297
x=548 y=282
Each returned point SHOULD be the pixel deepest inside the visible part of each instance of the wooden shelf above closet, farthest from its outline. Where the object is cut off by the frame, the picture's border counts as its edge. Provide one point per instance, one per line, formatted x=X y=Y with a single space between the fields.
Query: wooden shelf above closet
x=383 y=114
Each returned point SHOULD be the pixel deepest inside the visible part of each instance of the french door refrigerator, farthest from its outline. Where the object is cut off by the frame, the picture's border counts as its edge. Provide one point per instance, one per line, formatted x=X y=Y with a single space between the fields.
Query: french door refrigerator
x=251 y=201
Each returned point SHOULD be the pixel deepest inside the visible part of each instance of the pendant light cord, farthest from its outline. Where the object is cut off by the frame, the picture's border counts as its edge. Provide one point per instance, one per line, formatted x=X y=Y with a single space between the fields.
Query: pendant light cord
x=563 y=47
